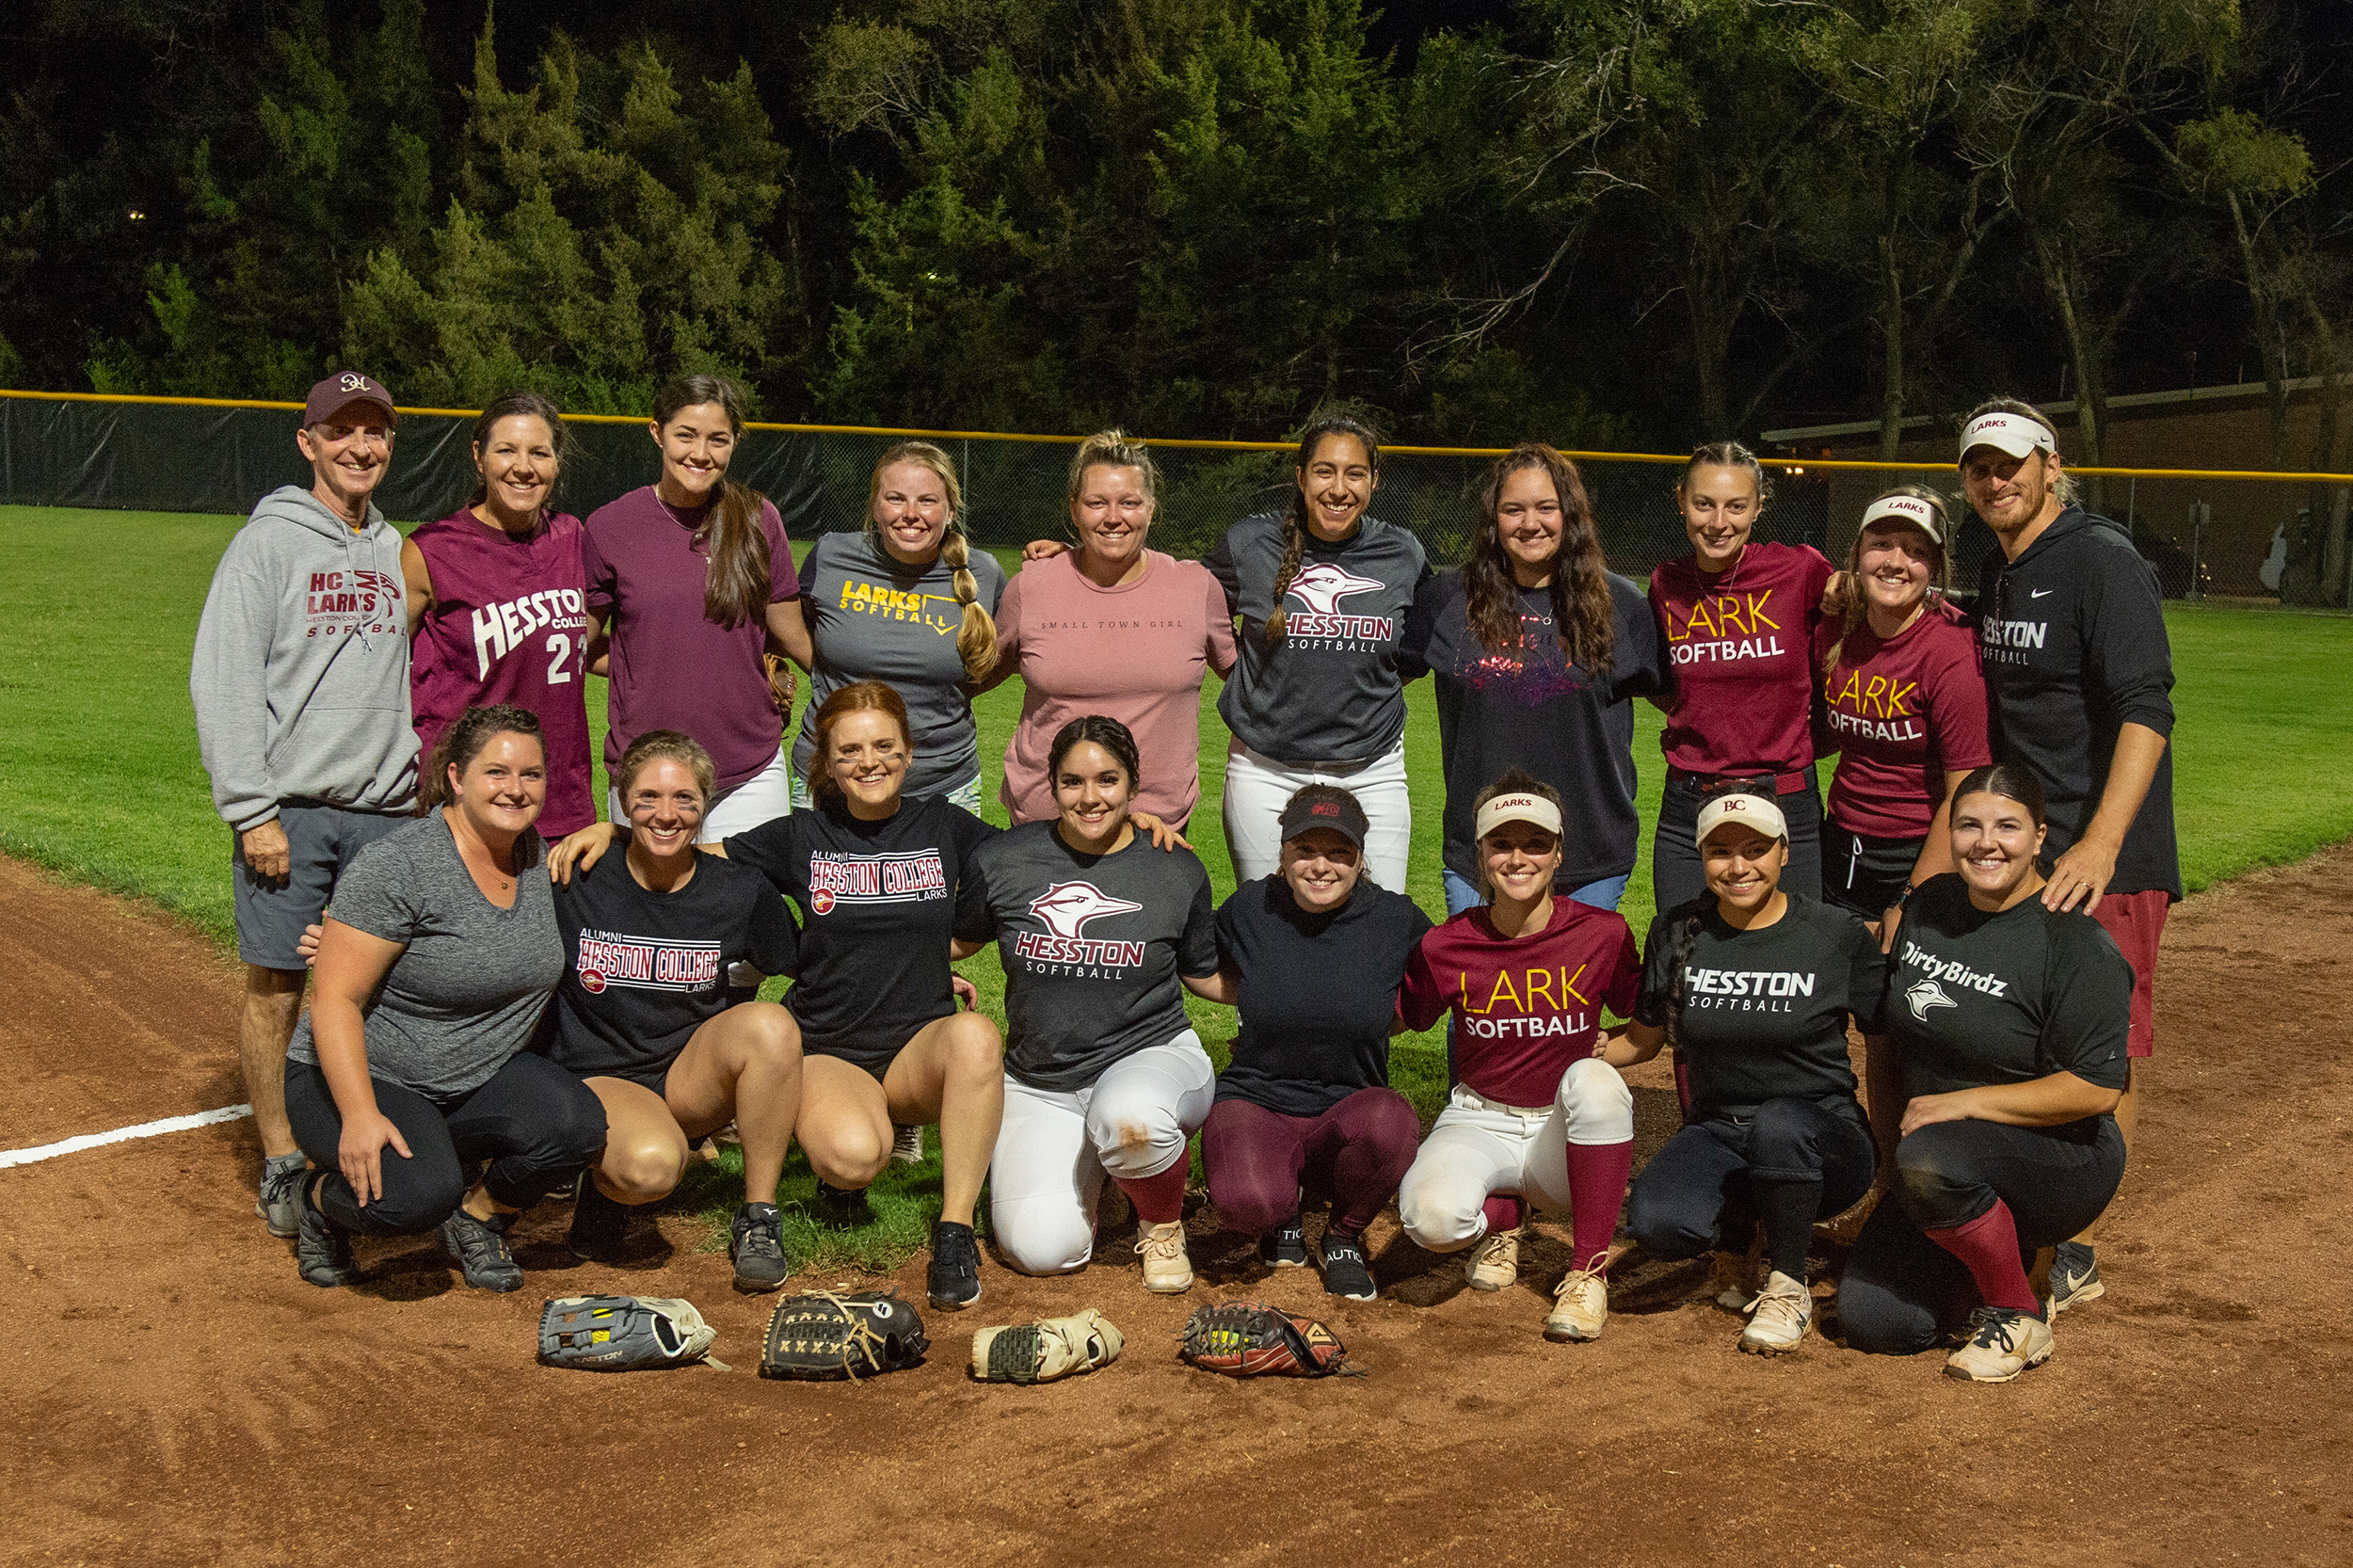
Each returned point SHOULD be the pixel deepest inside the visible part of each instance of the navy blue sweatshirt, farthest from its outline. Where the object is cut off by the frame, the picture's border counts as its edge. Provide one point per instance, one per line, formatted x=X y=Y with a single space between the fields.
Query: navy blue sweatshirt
x=2071 y=636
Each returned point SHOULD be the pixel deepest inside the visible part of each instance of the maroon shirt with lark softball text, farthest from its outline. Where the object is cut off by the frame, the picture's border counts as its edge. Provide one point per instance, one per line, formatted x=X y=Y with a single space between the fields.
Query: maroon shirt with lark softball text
x=1741 y=646
x=1902 y=713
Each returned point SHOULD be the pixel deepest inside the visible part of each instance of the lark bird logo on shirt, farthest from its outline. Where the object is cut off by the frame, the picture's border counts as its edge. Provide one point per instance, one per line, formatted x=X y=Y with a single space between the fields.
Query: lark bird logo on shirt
x=1924 y=995
x=1321 y=587
x=1066 y=907
x=1720 y=628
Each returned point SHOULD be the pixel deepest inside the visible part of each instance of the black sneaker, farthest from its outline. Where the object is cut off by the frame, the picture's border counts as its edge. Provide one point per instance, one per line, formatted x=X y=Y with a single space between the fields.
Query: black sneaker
x=756 y=1241
x=598 y=1225
x=1345 y=1272
x=2075 y=1277
x=281 y=1204
x=479 y=1248
x=1285 y=1246
x=321 y=1247
x=954 y=1282
x=842 y=1208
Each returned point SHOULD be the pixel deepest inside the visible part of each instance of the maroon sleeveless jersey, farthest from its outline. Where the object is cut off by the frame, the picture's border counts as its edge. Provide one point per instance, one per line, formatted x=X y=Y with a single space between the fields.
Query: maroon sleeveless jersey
x=508 y=624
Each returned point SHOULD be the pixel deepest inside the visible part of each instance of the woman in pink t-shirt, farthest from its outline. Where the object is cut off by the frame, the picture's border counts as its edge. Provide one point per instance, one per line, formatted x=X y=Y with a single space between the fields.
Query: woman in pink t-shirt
x=1115 y=629
x=496 y=610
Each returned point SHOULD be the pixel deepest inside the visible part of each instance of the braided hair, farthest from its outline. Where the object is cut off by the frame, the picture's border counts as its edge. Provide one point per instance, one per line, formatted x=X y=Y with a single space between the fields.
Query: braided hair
x=976 y=638
x=1295 y=516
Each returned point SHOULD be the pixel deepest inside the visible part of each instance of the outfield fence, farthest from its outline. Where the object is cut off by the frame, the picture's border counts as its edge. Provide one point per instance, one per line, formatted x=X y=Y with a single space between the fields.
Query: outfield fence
x=2207 y=532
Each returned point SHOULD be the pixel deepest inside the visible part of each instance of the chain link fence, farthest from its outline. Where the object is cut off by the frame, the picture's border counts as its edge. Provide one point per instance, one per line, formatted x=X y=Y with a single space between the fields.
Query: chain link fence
x=2206 y=533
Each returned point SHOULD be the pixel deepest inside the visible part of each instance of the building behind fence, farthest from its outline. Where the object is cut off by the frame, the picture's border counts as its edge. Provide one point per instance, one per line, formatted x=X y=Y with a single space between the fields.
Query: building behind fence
x=185 y=456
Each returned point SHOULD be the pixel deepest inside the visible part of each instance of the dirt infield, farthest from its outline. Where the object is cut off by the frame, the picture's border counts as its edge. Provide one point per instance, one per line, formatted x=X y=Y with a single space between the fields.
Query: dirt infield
x=175 y=1394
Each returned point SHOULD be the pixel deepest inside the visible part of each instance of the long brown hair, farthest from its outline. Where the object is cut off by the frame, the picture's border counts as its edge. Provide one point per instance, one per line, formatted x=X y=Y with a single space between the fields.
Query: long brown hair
x=735 y=582
x=1581 y=611
x=858 y=697
x=1295 y=518
x=529 y=405
x=976 y=637
x=1940 y=575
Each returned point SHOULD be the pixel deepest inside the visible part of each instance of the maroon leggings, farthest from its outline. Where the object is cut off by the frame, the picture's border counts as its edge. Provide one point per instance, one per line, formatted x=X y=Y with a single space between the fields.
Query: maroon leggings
x=1259 y=1160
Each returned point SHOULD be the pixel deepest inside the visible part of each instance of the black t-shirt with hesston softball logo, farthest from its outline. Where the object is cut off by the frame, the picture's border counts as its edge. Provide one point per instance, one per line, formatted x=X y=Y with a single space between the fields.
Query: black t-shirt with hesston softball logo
x=1318 y=993
x=1765 y=1011
x=1092 y=946
x=1976 y=999
x=643 y=971
x=879 y=902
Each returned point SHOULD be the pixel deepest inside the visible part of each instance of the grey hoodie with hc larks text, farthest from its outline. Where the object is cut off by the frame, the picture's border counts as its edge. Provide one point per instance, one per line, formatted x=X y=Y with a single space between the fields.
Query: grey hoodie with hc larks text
x=300 y=679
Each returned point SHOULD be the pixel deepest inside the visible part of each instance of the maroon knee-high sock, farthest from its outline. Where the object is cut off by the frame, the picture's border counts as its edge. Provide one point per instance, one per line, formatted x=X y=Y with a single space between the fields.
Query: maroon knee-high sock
x=1988 y=1248
x=1597 y=1173
x=1503 y=1212
x=1158 y=1199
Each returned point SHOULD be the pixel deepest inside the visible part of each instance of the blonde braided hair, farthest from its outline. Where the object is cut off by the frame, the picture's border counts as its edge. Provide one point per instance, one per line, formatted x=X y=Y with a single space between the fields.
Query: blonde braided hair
x=976 y=638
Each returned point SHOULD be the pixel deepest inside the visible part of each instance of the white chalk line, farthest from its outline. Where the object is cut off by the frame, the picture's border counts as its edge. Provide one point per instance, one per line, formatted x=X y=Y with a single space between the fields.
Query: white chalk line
x=122 y=1135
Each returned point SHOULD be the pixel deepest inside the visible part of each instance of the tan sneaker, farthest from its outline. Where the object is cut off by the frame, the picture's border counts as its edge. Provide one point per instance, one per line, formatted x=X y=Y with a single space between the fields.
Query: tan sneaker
x=1777 y=1317
x=1493 y=1262
x=1167 y=1272
x=1732 y=1285
x=2003 y=1342
x=1582 y=1305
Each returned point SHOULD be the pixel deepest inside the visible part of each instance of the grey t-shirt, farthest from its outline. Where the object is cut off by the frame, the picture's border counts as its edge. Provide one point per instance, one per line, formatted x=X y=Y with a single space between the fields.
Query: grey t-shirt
x=1091 y=945
x=873 y=618
x=467 y=991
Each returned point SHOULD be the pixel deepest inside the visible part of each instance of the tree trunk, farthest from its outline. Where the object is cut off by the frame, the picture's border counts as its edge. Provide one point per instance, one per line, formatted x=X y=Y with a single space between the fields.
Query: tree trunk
x=1892 y=332
x=2091 y=411
x=2332 y=561
x=2269 y=346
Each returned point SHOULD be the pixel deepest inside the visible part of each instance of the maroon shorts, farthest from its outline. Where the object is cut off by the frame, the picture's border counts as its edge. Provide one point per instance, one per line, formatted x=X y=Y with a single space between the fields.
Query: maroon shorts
x=2136 y=920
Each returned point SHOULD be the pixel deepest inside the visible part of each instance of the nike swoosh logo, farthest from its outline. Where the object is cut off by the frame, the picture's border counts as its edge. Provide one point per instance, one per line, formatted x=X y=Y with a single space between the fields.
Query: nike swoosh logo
x=2040 y=592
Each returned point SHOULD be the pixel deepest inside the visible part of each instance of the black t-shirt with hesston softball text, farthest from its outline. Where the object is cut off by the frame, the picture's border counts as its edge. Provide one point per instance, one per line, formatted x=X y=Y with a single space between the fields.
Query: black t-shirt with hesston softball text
x=1318 y=993
x=879 y=902
x=643 y=971
x=1092 y=946
x=1765 y=1011
x=1976 y=999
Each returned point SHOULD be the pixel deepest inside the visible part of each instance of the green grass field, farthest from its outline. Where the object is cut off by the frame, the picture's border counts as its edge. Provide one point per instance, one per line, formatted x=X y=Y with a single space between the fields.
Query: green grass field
x=99 y=779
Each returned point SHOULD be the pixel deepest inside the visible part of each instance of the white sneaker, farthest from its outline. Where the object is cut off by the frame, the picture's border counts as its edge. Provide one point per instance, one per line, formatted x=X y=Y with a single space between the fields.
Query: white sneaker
x=907 y=1143
x=1777 y=1317
x=1581 y=1307
x=1493 y=1262
x=1167 y=1271
x=2003 y=1342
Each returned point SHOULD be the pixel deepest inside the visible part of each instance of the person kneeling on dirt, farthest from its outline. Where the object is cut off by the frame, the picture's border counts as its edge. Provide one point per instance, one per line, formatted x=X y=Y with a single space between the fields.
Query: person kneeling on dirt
x=440 y=953
x=1996 y=1105
x=643 y=1014
x=1534 y=1114
x=1312 y=956
x=1754 y=987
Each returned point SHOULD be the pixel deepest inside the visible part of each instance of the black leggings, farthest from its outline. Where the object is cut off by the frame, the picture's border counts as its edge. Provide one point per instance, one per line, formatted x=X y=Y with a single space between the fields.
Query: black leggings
x=536 y=1124
x=1900 y=1290
x=1676 y=874
x=1793 y=1162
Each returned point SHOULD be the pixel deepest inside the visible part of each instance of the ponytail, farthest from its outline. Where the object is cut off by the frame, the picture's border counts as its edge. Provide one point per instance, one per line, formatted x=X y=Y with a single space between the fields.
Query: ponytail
x=1295 y=518
x=1680 y=937
x=976 y=637
x=734 y=545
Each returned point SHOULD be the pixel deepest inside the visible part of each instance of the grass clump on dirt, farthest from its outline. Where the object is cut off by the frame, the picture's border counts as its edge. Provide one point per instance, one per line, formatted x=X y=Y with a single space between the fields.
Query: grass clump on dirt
x=101 y=781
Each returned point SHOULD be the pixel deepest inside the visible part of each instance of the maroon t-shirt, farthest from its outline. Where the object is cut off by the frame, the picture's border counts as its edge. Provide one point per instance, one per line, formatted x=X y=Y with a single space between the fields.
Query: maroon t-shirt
x=1525 y=1007
x=1902 y=713
x=672 y=668
x=508 y=624
x=1741 y=644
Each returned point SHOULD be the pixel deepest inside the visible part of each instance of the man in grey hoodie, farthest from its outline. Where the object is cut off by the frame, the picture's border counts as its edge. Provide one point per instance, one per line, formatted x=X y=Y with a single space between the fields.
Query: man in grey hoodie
x=300 y=684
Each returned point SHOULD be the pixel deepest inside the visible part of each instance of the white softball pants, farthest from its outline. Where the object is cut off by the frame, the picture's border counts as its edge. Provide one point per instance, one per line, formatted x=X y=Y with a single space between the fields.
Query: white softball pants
x=1256 y=789
x=1480 y=1147
x=1055 y=1147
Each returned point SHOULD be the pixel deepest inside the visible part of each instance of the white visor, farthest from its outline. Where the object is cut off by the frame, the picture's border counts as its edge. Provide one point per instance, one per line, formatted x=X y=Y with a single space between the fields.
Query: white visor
x=1526 y=809
x=2013 y=434
x=1748 y=810
x=1910 y=511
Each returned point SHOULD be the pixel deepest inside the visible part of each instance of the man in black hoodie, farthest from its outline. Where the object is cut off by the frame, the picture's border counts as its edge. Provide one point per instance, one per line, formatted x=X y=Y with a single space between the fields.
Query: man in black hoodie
x=2078 y=672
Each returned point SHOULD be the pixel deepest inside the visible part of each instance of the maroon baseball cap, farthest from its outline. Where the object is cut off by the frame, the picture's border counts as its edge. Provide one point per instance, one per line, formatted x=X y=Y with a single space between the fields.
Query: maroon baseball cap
x=340 y=392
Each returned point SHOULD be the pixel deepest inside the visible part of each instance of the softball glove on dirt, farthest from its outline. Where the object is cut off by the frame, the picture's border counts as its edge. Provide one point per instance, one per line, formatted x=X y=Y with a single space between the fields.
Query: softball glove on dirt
x=1043 y=1351
x=1247 y=1339
x=622 y=1334
x=824 y=1336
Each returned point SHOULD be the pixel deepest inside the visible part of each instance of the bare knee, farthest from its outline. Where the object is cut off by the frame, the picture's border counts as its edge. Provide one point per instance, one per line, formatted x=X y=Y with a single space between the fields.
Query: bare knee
x=974 y=1049
x=847 y=1154
x=641 y=1170
x=771 y=1040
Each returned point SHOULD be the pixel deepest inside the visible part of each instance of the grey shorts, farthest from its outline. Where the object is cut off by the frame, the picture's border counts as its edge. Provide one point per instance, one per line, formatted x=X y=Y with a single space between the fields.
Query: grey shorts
x=321 y=840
